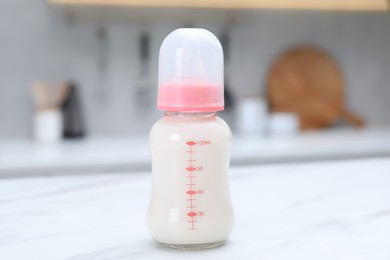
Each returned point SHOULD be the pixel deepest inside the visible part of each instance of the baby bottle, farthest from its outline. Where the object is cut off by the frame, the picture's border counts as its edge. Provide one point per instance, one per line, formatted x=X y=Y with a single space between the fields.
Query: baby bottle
x=190 y=204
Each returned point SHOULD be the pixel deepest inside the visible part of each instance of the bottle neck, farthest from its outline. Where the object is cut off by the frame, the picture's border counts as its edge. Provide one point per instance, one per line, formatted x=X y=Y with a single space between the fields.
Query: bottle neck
x=190 y=114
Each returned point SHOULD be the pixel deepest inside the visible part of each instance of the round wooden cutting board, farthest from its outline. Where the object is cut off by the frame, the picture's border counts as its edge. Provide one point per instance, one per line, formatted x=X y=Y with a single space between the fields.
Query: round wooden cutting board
x=308 y=82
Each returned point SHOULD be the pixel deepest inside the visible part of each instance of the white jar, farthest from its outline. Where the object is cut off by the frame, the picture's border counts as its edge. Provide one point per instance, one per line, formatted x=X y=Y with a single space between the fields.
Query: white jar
x=252 y=115
x=48 y=125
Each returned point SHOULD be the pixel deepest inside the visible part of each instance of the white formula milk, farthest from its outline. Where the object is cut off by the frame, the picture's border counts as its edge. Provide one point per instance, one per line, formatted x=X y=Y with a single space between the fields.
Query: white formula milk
x=190 y=201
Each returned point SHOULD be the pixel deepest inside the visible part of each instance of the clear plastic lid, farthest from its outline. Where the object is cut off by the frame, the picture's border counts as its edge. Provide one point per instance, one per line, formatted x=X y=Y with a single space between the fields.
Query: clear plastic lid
x=190 y=72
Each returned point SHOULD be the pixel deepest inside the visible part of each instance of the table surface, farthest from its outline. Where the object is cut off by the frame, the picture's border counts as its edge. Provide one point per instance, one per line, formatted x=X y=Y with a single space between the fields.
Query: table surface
x=102 y=154
x=318 y=210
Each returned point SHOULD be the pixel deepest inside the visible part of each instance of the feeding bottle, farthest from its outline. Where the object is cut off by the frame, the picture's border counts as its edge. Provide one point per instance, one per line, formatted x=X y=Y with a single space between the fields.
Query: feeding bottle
x=190 y=204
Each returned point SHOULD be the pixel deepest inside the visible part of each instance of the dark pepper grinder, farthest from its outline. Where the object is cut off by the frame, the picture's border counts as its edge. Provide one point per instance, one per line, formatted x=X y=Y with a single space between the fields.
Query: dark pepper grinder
x=228 y=94
x=72 y=114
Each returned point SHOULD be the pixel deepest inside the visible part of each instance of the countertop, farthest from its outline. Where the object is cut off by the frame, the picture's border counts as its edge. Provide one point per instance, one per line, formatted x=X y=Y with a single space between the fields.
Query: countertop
x=103 y=154
x=316 y=210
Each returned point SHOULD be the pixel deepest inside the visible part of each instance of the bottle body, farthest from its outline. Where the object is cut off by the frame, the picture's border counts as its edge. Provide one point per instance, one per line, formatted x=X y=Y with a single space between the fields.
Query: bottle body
x=190 y=202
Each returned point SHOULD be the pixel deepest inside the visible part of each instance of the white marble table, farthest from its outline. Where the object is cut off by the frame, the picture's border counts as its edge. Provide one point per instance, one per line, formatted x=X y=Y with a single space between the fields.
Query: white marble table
x=322 y=210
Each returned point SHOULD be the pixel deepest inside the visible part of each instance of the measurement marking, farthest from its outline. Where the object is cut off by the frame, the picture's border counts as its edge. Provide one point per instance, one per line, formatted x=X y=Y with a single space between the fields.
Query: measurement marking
x=190 y=160
x=189 y=221
x=191 y=192
x=192 y=214
x=192 y=207
x=191 y=169
x=190 y=176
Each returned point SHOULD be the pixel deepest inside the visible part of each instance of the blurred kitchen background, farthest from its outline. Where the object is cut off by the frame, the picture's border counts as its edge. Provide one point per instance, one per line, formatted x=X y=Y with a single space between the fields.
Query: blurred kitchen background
x=96 y=63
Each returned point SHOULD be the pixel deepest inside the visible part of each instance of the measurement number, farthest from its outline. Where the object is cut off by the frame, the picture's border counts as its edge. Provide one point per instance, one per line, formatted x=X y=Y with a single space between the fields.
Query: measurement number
x=203 y=142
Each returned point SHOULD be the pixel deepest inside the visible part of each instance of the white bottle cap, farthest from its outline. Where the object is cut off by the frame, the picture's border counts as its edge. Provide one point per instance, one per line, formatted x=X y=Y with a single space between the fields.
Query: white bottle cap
x=191 y=72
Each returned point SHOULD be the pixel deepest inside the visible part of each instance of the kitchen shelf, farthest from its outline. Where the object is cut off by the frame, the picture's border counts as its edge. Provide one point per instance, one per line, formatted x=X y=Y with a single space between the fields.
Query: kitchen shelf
x=350 y=5
x=108 y=154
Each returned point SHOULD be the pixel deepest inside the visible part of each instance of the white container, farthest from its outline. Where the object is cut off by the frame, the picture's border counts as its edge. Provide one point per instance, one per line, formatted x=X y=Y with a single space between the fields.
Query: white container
x=252 y=115
x=283 y=124
x=48 y=126
x=190 y=204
